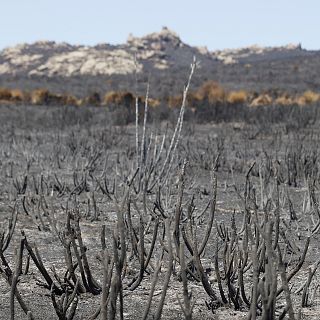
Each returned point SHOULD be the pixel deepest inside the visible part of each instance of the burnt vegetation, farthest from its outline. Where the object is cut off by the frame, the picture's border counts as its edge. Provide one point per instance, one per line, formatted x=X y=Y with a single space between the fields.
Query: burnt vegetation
x=159 y=219
x=210 y=102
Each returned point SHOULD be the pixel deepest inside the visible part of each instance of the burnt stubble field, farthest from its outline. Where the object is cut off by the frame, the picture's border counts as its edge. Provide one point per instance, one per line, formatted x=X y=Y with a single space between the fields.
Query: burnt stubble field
x=173 y=220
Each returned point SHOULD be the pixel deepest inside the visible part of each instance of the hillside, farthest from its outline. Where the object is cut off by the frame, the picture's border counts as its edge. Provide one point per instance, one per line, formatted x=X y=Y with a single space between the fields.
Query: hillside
x=163 y=58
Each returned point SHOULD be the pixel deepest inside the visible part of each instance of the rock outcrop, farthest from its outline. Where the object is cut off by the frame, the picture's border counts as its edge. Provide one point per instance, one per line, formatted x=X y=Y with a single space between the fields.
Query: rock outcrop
x=230 y=56
x=159 y=50
x=163 y=59
x=47 y=58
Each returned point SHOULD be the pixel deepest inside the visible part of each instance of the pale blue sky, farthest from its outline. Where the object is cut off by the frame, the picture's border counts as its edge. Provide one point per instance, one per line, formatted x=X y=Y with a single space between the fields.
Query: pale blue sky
x=215 y=24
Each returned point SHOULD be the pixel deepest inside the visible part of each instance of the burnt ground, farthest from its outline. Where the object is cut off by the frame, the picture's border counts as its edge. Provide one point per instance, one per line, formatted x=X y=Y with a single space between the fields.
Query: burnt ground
x=59 y=143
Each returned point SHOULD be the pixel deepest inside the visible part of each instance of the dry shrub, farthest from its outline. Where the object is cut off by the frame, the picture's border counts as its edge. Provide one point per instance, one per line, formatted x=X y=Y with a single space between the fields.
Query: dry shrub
x=26 y=97
x=40 y=96
x=71 y=101
x=300 y=101
x=5 y=94
x=56 y=99
x=284 y=100
x=175 y=101
x=17 y=95
x=308 y=97
x=44 y=97
x=211 y=91
x=193 y=101
x=237 y=97
x=154 y=102
x=113 y=98
x=81 y=102
x=261 y=100
x=151 y=102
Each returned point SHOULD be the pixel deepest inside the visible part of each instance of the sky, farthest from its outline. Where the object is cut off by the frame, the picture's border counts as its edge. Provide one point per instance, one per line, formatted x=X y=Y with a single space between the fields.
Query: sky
x=215 y=24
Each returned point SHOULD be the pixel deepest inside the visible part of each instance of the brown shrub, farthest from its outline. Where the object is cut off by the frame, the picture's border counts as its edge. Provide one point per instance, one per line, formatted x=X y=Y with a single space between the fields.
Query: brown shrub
x=237 y=97
x=81 y=102
x=40 y=96
x=56 y=99
x=17 y=95
x=211 y=91
x=5 y=94
x=308 y=97
x=301 y=101
x=71 y=100
x=175 y=101
x=284 y=100
x=113 y=98
x=153 y=103
x=261 y=100
x=26 y=97
x=44 y=97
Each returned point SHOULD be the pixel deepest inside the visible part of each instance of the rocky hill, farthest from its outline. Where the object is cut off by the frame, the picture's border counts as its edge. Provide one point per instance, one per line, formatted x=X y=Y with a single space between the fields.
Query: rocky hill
x=161 y=58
